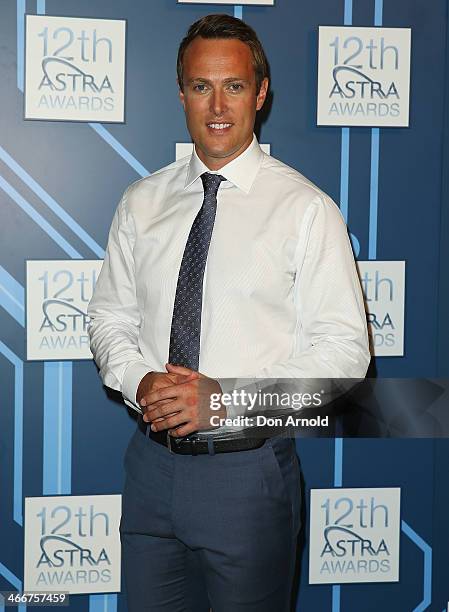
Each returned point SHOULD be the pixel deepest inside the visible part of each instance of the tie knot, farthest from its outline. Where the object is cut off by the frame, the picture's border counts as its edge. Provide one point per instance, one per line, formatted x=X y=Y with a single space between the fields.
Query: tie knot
x=211 y=182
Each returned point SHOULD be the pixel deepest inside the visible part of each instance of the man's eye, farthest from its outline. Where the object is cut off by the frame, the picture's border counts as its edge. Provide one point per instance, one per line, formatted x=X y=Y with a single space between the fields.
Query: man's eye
x=200 y=87
x=235 y=87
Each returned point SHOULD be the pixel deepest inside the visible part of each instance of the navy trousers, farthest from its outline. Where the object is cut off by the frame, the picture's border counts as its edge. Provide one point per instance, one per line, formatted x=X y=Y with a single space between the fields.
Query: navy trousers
x=239 y=512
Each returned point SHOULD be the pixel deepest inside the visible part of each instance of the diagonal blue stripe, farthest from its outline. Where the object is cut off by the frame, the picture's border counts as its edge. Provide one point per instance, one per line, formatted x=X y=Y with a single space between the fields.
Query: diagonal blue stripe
x=238 y=12
x=51 y=203
x=18 y=430
x=21 y=7
x=13 y=287
x=11 y=305
x=39 y=219
x=10 y=577
x=120 y=149
x=12 y=296
x=57 y=427
x=427 y=581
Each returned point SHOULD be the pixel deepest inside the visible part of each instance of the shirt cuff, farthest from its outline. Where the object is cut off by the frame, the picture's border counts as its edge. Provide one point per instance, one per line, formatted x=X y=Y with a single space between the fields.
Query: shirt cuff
x=131 y=379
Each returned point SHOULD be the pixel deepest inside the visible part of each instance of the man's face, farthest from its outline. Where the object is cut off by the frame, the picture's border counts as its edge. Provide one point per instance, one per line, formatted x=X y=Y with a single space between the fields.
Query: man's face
x=219 y=98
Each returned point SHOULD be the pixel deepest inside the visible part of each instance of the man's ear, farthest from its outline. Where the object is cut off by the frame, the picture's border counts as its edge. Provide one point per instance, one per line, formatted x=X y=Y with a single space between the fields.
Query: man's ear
x=261 y=96
x=181 y=95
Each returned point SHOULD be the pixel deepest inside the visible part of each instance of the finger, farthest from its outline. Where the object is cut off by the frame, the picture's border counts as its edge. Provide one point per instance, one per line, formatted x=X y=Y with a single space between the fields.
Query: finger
x=170 y=392
x=169 y=422
x=161 y=402
x=155 y=420
x=176 y=379
x=182 y=430
x=162 y=418
x=187 y=391
x=176 y=369
x=162 y=411
x=148 y=420
x=167 y=380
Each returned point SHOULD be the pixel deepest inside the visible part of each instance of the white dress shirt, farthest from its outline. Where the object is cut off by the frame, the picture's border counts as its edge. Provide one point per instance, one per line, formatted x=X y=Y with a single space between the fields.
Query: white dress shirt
x=281 y=295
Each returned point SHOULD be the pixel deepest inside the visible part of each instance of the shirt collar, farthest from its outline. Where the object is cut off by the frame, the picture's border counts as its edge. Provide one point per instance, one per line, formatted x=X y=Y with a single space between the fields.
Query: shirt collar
x=241 y=171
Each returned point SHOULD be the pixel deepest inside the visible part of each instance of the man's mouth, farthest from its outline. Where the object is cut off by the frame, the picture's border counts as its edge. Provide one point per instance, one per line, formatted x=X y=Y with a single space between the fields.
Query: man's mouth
x=219 y=127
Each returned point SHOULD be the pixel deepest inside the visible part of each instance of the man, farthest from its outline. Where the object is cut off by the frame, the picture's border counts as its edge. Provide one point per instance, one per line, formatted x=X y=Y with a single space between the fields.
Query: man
x=225 y=264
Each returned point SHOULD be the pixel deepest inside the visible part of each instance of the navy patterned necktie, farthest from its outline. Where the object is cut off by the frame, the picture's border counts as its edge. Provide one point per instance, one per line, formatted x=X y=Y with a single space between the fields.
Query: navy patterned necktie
x=186 y=322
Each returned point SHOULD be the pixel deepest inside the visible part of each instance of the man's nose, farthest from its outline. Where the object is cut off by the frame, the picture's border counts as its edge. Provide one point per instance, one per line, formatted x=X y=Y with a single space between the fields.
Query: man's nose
x=218 y=103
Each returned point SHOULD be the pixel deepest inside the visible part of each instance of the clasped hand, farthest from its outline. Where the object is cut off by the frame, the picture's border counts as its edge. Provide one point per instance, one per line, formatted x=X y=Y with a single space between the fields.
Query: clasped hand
x=178 y=400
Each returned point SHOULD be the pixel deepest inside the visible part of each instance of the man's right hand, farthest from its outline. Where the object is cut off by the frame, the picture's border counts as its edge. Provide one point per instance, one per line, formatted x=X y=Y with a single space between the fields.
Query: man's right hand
x=153 y=381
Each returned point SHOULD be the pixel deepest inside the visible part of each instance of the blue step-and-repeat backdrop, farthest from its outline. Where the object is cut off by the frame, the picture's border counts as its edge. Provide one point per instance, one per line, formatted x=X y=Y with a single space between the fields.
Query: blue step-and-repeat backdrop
x=359 y=104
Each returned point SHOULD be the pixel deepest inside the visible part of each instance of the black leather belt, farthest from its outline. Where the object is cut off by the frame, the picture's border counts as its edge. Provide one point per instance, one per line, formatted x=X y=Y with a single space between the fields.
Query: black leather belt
x=199 y=446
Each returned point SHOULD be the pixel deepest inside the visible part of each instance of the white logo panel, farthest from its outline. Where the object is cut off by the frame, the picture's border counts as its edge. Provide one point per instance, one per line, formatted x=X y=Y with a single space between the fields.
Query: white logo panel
x=58 y=293
x=363 y=76
x=354 y=535
x=383 y=285
x=72 y=544
x=75 y=69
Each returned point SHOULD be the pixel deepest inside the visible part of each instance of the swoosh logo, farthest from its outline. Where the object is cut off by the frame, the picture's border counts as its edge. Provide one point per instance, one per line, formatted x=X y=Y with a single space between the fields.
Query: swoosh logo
x=331 y=528
x=49 y=538
x=58 y=60
x=48 y=304
x=336 y=74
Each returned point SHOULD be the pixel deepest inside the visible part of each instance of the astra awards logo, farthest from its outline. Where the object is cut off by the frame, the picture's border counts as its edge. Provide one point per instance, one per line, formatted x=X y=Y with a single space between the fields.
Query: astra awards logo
x=363 y=76
x=383 y=285
x=75 y=69
x=72 y=544
x=354 y=535
x=58 y=293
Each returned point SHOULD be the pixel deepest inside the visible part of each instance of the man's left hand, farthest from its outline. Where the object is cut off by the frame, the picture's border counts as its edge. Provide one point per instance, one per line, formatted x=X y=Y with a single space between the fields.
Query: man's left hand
x=189 y=405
